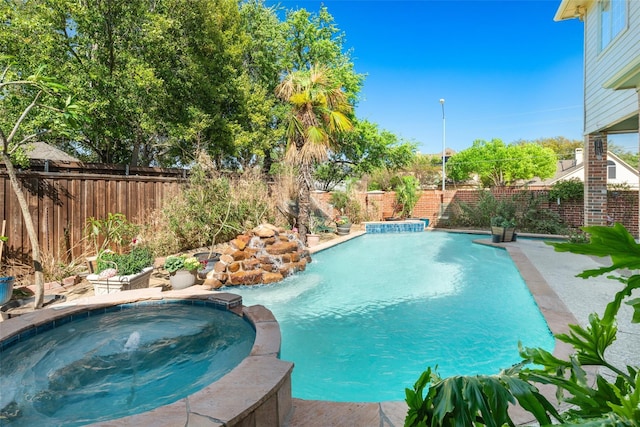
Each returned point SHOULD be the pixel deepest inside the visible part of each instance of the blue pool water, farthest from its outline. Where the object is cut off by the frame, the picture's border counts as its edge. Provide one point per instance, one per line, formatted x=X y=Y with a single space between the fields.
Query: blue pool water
x=120 y=363
x=368 y=316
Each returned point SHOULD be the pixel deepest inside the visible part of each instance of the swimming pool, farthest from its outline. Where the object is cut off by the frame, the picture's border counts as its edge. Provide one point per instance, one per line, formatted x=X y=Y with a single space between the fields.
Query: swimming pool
x=368 y=316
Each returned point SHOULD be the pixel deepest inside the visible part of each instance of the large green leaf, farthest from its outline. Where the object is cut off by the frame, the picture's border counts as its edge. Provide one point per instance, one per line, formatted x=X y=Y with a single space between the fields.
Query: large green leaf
x=615 y=242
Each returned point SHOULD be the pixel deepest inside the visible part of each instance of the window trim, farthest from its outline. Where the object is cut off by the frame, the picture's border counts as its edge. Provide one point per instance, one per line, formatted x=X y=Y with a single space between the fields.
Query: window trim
x=611 y=169
x=611 y=20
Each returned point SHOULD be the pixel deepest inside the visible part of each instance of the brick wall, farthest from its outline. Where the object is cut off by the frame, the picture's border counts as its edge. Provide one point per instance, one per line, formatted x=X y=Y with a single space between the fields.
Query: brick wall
x=622 y=205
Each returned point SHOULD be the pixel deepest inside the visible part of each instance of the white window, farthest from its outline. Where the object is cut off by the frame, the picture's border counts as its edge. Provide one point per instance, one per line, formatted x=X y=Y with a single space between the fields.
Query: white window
x=611 y=169
x=613 y=19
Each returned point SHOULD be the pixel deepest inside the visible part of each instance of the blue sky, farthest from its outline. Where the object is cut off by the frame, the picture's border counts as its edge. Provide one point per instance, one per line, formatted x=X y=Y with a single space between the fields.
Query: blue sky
x=505 y=68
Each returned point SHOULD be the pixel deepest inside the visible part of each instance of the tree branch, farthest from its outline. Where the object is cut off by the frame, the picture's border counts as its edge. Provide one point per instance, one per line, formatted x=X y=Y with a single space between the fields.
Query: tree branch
x=22 y=117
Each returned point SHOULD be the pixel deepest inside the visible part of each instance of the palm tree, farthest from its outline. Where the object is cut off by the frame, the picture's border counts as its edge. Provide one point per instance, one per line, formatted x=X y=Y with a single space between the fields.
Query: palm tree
x=319 y=113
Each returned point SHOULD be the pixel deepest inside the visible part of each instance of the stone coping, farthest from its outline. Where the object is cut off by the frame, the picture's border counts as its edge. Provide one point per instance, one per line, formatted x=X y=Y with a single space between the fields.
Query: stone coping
x=256 y=392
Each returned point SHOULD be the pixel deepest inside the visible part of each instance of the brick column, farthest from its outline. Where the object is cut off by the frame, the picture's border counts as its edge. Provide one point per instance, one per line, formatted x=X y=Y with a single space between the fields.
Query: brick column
x=595 y=181
x=638 y=165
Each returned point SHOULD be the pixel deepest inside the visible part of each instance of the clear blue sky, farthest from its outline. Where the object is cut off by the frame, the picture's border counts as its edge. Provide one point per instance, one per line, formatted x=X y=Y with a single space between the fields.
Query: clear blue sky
x=505 y=68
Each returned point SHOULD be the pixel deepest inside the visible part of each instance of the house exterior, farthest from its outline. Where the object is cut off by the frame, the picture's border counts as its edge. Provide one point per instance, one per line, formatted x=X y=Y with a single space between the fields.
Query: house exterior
x=611 y=86
x=619 y=173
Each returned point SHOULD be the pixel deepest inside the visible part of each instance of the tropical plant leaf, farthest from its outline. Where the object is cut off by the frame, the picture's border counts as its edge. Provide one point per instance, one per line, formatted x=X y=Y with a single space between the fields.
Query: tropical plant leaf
x=615 y=242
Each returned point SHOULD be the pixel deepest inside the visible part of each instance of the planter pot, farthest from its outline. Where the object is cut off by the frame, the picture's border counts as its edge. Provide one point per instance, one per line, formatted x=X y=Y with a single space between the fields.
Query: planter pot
x=182 y=279
x=504 y=234
x=508 y=234
x=343 y=230
x=313 y=239
x=6 y=288
x=209 y=262
x=103 y=286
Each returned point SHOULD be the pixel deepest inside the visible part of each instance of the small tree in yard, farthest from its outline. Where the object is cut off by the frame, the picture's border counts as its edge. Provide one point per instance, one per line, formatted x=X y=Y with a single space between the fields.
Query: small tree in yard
x=40 y=93
x=497 y=164
x=319 y=111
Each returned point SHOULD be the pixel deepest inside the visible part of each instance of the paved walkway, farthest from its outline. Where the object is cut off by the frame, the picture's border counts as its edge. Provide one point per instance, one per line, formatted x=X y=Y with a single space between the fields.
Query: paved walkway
x=563 y=299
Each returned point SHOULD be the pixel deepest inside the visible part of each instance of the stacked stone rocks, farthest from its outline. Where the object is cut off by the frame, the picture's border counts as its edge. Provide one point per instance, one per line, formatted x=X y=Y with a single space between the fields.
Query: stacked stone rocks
x=265 y=254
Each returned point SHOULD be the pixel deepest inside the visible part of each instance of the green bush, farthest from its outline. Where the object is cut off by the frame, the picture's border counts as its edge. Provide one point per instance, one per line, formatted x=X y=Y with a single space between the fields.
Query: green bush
x=407 y=190
x=572 y=189
x=132 y=262
x=214 y=208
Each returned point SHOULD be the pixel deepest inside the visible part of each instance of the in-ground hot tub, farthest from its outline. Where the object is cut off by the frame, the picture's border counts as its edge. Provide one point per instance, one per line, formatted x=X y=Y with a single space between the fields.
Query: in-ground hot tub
x=120 y=355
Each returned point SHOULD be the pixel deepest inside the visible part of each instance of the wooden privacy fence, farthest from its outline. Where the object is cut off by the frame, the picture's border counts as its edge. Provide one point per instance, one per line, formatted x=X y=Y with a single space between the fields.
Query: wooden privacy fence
x=61 y=196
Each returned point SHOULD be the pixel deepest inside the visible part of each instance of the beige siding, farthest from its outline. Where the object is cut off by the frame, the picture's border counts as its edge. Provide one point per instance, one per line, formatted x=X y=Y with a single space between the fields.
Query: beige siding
x=604 y=107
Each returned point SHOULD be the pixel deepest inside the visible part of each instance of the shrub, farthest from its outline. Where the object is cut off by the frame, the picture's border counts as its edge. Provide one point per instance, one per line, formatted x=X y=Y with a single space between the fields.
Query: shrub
x=407 y=190
x=132 y=262
x=572 y=189
x=174 y=263
x=214 y=208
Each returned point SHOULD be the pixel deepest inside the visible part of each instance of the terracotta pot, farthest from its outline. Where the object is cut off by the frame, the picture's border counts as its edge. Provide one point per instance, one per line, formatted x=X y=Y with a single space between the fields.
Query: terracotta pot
x=313 y=239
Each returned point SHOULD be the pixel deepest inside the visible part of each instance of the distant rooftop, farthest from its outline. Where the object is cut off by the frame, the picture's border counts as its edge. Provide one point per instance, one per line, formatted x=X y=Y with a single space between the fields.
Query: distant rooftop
x=43 y=151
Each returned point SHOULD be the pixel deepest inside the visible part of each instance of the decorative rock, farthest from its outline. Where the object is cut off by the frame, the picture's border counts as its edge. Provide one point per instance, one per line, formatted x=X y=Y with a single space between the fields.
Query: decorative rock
x=264 y=231
x=271 y=277
x=226 y=259
x=212 y=283
x=245 y=278
x=269 y=241
x=265 y=254
x=239 y=255
x=282 y=248
x=233 y=267
x=251 y=264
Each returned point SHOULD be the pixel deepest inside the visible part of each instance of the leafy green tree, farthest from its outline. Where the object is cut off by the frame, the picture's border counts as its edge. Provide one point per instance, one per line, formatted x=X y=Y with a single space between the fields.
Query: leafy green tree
x=497 y=164
x=319 y=114
x=632 y=159
x=427 y=168
x=564 y=148
x=160 y=79
x=313 y=39
x=361 y=151
x=484 y=400
x=27 y=94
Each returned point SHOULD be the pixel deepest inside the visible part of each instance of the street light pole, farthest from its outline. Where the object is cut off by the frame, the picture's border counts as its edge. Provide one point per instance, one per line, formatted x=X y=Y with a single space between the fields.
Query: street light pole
x=444 y=144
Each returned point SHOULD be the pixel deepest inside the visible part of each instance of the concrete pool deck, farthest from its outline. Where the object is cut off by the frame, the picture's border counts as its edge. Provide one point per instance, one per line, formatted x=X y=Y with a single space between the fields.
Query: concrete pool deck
x=562 y=298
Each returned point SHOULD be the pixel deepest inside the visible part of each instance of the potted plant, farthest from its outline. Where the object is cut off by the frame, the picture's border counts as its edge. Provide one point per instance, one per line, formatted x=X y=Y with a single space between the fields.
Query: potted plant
x=122 y=272
x=313 y=238
x=182 y=270
x=502 y=229
x=343 y=225
x=6 y=282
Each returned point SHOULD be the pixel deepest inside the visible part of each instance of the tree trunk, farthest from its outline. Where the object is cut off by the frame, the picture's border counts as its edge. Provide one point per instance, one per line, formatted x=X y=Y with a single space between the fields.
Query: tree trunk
x=31 y=231
x=304 y=202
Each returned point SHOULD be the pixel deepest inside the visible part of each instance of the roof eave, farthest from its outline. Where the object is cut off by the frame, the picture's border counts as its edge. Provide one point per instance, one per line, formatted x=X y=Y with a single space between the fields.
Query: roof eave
x=570 y=9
